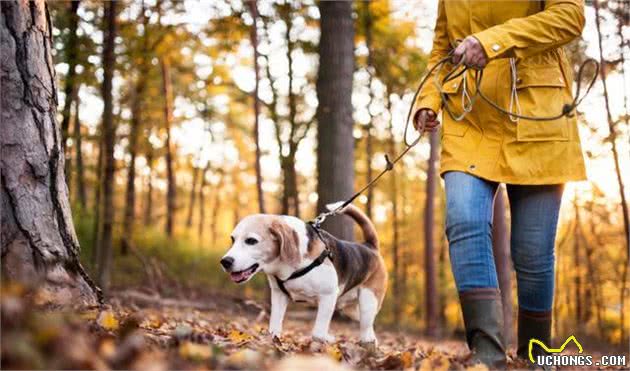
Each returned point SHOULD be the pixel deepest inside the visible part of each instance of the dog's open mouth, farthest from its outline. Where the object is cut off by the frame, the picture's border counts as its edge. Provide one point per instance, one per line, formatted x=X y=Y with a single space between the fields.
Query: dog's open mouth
x=244 y=275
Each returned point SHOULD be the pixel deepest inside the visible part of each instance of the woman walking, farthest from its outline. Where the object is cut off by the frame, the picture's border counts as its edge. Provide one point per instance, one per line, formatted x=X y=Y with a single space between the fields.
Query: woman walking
x=519 y=46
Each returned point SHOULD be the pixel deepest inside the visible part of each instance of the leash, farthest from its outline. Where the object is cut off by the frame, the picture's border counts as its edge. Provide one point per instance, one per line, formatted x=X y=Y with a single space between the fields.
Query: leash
x=468 y=102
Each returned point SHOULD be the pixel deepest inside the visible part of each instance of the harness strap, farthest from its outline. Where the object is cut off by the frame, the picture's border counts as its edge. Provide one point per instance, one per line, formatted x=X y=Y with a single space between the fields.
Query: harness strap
x=301 y=272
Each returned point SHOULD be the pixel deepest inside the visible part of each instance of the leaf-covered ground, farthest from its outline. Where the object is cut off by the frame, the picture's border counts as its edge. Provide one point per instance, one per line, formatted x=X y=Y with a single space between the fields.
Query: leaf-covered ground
x=136 y=330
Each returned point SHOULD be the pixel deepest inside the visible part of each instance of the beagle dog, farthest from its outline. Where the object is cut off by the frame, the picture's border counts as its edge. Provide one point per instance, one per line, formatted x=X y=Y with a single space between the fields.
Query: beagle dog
x=307 y=264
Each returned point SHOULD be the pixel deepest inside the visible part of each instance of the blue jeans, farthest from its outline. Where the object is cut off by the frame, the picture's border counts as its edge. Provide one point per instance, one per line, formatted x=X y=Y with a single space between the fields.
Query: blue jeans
x=534 y=210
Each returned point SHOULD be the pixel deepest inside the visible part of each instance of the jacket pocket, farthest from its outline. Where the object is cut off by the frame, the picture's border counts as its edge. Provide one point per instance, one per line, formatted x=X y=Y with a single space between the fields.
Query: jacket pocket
x=452 y=95
x=541 y=93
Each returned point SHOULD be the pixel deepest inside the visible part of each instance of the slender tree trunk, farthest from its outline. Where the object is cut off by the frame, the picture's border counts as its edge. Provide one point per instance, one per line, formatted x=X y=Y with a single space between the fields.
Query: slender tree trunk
x=577 y=279
x=395 y=220
x=254 y=40
x=202 y=201
x=335 y=150
x=369 y=150
x=501 y=252
x=429 y=239
x=80 y=176
x=624 y=203
x=109 y=137
x=98 y=202
x=170 y=177
x=148 y=208
x=71 y=48
x=134 y=132
x=193 y=188
x=39 y=243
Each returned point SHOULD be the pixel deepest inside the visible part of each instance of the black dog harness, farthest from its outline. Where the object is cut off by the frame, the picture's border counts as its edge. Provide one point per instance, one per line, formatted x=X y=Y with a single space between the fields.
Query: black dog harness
x=314 y=264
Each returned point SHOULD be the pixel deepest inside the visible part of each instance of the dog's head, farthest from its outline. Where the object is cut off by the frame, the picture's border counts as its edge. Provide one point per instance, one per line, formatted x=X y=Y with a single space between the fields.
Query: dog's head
x=263 y=242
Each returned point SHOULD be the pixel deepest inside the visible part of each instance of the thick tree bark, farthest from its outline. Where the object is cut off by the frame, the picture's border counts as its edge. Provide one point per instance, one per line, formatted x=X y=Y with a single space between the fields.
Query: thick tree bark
x=109 y=137
x=335 y=150
x=78 y=142
x=254 y=40
x=502 y=260
x=38 y=240
x=168 y=118
x=429 y=240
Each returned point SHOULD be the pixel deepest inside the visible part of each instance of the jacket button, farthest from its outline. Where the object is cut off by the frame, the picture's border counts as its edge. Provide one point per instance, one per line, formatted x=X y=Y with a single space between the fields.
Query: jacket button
x=519 y=80
x=472 y=167
x=496 y=47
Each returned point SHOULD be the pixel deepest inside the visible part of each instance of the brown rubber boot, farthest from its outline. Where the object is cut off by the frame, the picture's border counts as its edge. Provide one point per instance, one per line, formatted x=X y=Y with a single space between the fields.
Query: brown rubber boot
x=533 y=325
x=483 y=319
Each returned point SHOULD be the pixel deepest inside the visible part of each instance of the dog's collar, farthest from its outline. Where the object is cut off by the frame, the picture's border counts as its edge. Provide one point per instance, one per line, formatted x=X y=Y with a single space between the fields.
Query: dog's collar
x=303 y=271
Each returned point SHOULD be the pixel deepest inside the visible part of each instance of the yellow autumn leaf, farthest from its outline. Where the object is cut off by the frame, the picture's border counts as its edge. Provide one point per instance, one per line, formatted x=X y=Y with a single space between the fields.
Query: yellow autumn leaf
x=334 y=352
x=237 y=336
x=195 y=352
x=407 y=359
x=107 y=320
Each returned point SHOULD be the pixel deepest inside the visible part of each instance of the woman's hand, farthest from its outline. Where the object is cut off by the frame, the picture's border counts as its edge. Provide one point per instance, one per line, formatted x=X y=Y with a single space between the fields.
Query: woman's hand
x=425 y=118
x=471 y=51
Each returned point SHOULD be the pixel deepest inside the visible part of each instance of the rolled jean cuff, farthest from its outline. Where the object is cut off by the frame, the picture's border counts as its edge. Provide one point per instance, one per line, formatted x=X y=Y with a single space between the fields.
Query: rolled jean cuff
x=488 y=293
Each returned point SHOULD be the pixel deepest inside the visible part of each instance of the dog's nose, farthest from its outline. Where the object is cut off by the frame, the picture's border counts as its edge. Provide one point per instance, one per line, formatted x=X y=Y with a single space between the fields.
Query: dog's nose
x=227 y=262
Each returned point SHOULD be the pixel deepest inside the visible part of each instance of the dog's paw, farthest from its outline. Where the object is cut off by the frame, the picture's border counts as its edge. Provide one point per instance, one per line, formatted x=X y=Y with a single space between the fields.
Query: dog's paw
x=324 y=338
x=369 y=346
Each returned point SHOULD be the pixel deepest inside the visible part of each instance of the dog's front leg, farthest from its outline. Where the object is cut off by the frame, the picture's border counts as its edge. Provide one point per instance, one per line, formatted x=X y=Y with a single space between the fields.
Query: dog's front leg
x=325 y=310
x=279 y=302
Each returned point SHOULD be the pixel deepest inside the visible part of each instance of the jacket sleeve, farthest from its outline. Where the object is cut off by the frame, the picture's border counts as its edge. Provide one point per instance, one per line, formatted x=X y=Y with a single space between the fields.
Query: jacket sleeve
x=557 y=24
x=429 y=97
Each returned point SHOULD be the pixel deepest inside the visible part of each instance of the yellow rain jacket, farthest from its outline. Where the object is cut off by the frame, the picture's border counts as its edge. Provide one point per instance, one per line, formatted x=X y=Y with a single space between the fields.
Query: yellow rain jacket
x=487 y=143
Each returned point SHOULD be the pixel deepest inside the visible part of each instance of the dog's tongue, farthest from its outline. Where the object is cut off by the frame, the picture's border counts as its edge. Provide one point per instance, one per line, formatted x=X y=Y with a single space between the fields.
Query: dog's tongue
x=238 y=276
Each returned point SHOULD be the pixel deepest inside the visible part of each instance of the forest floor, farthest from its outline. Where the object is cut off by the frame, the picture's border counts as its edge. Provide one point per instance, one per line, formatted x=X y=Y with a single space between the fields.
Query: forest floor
x=139 y=330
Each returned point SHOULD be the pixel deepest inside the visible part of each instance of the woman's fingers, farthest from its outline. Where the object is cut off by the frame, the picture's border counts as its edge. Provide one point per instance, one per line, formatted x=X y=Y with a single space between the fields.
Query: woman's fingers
x=425 y=119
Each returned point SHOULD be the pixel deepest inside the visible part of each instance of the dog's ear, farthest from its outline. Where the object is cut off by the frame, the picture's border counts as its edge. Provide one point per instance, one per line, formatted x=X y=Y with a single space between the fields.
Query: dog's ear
x=288 y=241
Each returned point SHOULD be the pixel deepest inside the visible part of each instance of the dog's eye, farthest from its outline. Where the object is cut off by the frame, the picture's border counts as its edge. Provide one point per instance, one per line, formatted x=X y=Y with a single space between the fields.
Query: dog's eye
x=251 y=241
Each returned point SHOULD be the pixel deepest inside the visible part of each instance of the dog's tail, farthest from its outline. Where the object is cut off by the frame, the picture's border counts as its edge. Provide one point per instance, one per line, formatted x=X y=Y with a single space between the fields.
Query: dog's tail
x=369 y=232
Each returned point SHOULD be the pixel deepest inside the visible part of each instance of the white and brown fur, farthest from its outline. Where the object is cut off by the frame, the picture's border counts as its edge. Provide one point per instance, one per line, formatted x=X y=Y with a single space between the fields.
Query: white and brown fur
x=354 y=282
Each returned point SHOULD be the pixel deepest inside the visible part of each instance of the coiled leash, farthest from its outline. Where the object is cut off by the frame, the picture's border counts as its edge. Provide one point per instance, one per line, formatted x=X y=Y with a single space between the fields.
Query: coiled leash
x=468 y=102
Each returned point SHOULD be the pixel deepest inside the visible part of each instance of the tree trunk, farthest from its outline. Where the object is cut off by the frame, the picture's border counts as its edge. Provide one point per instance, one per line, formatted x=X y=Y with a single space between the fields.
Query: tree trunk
x=369 y=150
x=98 y=209
x=170 y=177
x=193 y=188
x=134 y=131
x=71 y=48
x=202 y=201
x=109 y=137
x=254 y=40
x=622 y=193
x=577 y=282
x=80 y=176
x=148 y=208
x=335 y=150
x=39 y=243
x=429 y=240
x=501 y=252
